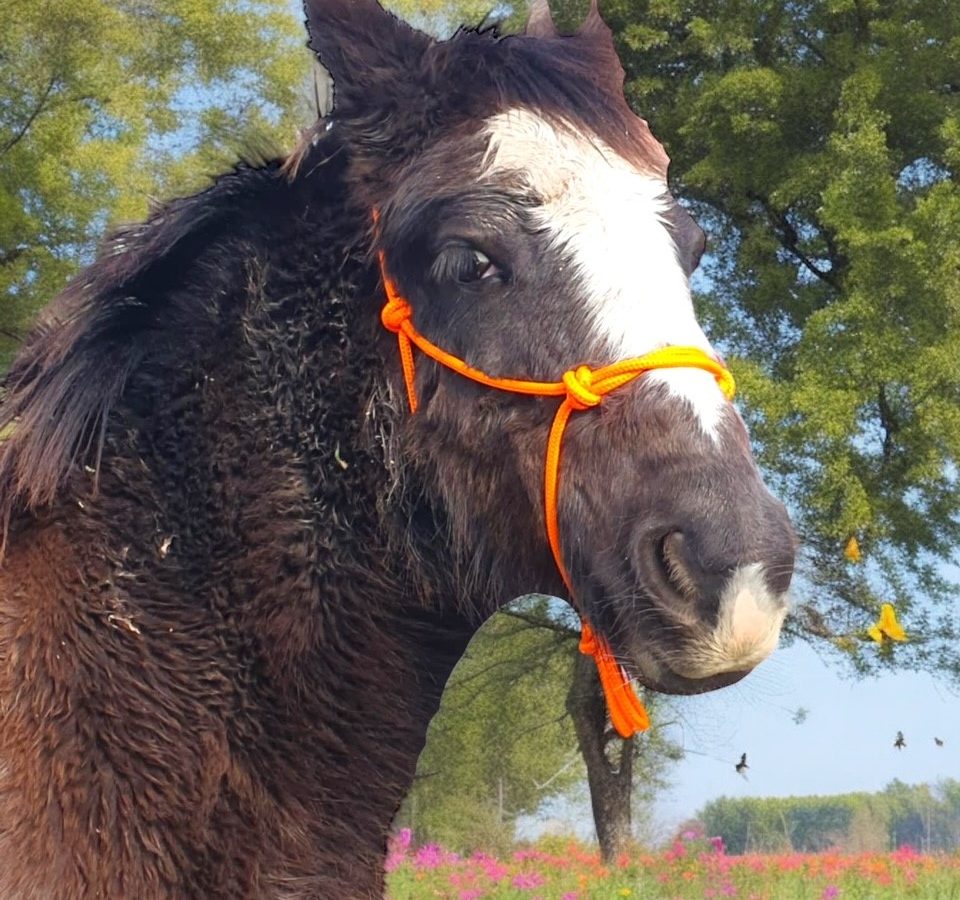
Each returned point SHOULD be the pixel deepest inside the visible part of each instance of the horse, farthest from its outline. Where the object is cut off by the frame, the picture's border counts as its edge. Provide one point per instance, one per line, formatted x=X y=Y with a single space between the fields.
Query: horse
x=238 y=568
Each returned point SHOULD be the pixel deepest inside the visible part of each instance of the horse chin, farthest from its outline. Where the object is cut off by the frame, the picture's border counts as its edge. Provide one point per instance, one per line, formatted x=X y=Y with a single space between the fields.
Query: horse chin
x=665 y=668
x=656 y=675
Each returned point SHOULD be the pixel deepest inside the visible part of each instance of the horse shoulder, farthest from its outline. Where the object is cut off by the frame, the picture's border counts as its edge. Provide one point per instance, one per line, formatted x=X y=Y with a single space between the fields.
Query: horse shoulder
x=110 y=771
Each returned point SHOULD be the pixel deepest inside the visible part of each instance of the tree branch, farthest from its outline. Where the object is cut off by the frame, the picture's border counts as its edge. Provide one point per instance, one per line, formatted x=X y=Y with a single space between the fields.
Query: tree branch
x=888 y=422
x=7 y=259
x=790 y=241
x=41 y=103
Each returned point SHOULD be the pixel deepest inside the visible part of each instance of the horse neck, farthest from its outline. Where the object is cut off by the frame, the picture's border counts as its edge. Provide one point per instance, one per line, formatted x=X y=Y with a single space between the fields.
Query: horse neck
x=252 y=610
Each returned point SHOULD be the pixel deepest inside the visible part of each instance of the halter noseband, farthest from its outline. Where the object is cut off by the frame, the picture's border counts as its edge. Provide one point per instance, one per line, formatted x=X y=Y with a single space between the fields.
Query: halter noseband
x=581 y=388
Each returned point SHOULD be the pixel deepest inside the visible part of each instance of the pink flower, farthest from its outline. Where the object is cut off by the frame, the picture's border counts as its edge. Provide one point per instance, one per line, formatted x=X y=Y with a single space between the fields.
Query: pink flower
x=397 y=848
x=527 y=881
x=492 y=868
x=473 y=894
x=429 y=856
x=569 y=895
x=906 y=853
x=830 y=892
x=676 y=851
x=717 y=844
x=402 y=839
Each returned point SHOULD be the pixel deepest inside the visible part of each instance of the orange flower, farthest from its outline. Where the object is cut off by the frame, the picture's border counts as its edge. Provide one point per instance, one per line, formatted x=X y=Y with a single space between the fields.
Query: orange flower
x=852 y=550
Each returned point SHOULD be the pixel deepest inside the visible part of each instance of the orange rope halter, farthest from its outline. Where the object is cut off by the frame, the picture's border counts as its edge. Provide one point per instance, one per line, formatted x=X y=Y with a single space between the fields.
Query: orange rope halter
x=581 y=388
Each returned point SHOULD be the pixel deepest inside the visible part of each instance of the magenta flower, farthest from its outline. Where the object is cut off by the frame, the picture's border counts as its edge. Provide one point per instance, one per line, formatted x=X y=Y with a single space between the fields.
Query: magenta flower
x=492 y=868
x=394 y=861
x=717 y=844
x=402 y=840
x=527 y=881
x=905 y=853
x=830 y=892
x=429 y=856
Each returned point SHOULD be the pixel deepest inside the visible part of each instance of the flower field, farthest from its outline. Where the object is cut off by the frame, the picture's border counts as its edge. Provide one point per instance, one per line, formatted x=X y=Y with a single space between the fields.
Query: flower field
x=691 y=868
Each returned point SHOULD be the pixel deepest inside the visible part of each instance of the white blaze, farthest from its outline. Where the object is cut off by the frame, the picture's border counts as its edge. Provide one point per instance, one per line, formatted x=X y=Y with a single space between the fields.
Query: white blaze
x=607 y=218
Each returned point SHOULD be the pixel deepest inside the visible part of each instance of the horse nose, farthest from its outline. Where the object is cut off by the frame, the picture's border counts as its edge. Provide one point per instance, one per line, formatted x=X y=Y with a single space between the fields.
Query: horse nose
x=700 y=571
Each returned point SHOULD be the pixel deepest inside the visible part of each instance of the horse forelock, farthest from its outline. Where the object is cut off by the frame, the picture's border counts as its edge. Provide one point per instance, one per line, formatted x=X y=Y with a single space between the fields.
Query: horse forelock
x=457 y=84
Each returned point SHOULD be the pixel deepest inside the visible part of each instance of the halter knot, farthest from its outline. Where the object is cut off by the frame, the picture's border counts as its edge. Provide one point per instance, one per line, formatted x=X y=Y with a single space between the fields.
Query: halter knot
x=578 y=383
x=394 y=313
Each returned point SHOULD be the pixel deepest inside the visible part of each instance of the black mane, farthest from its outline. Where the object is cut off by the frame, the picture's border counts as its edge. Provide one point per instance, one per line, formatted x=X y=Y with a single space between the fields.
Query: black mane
x=143 y=298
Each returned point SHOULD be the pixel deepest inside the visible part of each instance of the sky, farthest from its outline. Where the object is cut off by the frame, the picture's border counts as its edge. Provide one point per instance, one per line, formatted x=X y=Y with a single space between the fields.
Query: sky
x=845 y=744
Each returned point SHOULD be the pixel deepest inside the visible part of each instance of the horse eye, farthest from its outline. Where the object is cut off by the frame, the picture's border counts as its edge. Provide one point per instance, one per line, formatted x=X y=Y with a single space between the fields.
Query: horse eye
x=463 y=264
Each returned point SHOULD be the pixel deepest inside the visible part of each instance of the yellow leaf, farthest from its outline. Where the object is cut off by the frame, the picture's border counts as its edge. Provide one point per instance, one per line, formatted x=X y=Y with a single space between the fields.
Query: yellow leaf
x=852 y=550
x=887 y=627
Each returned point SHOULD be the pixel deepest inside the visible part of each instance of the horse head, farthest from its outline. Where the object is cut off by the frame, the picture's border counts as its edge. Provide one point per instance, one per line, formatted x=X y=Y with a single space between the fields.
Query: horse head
x=523 y=212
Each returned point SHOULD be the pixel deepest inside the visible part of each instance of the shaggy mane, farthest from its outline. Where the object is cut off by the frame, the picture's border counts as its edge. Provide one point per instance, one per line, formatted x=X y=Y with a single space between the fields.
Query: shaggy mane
x=55 y=399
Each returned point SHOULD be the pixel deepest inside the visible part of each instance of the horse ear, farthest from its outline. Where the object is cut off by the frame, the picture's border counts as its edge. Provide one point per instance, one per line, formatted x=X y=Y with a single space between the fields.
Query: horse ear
x=363 y=46
x=594 y=27
x=540 y=22
x=597 y=34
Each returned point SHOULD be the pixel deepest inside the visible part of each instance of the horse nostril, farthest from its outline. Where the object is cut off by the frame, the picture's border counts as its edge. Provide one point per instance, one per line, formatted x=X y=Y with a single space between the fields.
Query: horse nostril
x=687 y=576
x=673 y=555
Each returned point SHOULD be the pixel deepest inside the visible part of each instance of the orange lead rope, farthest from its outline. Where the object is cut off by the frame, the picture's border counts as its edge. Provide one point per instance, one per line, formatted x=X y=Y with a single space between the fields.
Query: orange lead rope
x=581 y=389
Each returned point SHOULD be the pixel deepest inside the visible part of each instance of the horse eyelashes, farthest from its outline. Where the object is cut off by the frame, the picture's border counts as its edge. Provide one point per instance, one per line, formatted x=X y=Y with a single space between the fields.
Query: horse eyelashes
x=463 y=265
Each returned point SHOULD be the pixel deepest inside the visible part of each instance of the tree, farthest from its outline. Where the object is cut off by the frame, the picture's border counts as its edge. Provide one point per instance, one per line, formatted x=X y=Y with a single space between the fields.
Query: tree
x=522 y=721
x=109 y=102
x=501 y=743
x=900 y=815
x=622 y=774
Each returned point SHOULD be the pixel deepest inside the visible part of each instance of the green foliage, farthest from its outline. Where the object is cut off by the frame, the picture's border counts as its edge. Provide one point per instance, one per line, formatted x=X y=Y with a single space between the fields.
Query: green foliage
x=501 y=743
x=901 y=815
x=109 y=102
x=440 y=17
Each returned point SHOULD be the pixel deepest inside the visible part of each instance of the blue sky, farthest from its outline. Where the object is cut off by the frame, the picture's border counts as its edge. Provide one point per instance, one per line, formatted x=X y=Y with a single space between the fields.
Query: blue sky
x=845 y=744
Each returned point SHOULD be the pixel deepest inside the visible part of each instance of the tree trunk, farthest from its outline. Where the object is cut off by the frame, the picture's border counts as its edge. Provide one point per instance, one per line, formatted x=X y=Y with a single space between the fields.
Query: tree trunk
x=609 y=760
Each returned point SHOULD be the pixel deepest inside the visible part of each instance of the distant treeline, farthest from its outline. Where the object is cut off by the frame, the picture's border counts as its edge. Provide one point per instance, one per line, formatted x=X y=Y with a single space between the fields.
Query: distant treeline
x=922 y=816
